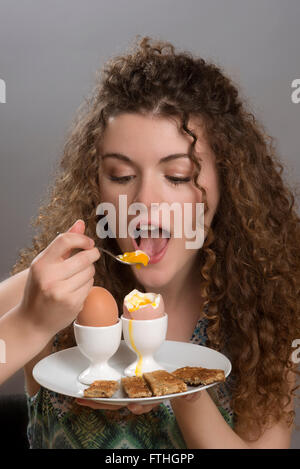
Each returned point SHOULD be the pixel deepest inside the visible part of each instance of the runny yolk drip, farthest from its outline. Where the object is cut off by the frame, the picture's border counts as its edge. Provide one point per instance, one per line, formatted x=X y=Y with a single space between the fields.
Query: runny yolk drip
x=137 y=301
x=138 y=369
x=135 y=256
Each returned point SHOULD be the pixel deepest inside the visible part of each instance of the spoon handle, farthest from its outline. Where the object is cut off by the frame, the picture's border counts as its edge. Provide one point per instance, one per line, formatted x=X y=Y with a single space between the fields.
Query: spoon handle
x=113 y=255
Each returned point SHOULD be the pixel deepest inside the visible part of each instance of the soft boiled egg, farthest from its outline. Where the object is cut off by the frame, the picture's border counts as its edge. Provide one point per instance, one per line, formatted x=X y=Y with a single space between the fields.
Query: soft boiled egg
x=100 y=309
x=138 y=305
x=135 y=257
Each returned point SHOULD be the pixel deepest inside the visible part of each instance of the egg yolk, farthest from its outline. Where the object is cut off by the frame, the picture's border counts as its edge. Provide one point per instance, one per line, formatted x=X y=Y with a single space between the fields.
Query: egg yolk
x=135 y=256
x=137 y=301
x=138 y=369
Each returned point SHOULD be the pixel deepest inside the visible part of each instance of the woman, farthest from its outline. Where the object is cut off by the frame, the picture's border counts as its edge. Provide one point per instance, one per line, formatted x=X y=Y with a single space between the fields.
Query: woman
x=239 y=293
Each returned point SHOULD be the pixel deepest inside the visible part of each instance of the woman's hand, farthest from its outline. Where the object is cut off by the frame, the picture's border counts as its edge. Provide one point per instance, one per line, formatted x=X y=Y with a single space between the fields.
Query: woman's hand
x=188 y=398
x=136 y=409
x=58 y=283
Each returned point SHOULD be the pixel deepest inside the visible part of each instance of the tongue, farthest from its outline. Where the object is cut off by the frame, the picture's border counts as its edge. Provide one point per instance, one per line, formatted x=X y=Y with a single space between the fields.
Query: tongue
x=152 y=246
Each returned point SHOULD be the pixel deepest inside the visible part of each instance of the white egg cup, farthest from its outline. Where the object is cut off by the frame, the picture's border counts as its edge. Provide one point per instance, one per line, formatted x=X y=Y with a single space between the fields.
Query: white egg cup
x=98 y=344
x=144 y=337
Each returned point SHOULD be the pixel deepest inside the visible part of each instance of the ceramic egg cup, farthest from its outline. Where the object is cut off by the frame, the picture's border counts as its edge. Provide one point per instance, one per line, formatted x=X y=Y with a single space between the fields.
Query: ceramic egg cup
x=98 y=344
x=144 y=337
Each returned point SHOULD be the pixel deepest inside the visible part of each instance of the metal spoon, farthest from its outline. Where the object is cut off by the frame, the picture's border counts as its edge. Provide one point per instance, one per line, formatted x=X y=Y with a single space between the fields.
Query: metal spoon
x=117 y=258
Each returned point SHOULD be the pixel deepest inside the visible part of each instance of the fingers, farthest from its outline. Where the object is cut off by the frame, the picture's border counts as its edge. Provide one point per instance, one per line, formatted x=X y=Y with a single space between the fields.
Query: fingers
x=75 y=272
x=79 y=296
x=139 y=409
x=79 y=262
x=80 y=279
x=192 y=397
x=62 y=246
x=78 y=227
x=189 y=397
x=136 y=409
x=65 y=243
x=95 y=405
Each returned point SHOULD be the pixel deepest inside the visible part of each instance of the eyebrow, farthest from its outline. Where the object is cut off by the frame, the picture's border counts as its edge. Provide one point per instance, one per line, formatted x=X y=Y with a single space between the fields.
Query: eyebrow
x=125 y=158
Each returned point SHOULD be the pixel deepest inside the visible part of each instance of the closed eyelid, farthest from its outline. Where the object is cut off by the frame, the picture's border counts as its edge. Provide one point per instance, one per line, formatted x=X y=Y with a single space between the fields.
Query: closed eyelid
x=119 y=169
x=178 y=162
x=118 y=160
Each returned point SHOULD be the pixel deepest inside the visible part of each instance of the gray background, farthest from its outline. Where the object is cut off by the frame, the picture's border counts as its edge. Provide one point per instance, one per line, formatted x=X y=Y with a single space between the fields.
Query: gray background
x=49 y=54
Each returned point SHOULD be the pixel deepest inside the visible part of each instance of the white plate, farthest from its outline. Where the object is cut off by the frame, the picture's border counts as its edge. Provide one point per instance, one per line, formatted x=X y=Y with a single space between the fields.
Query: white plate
x=59 y=371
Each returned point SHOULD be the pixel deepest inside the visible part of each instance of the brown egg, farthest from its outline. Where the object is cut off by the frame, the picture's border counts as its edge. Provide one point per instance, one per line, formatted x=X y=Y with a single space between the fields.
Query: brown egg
x=138 y=305
x=100 y=309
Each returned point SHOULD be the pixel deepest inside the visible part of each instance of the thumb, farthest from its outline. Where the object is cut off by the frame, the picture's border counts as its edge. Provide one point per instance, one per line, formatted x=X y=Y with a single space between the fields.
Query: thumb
x=78 y=227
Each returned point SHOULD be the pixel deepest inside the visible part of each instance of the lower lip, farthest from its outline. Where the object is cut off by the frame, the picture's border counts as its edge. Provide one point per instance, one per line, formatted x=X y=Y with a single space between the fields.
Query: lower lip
x=157 y=257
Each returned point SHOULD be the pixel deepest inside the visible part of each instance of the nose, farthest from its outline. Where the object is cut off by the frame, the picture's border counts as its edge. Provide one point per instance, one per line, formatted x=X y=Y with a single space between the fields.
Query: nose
x=148 y=191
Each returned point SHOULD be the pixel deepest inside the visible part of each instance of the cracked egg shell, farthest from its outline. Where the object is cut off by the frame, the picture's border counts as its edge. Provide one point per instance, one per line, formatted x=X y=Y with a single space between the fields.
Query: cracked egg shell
x=138 y=305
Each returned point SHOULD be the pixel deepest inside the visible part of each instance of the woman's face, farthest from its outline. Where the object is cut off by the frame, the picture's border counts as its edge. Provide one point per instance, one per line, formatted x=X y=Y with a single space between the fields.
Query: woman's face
x=133 y=163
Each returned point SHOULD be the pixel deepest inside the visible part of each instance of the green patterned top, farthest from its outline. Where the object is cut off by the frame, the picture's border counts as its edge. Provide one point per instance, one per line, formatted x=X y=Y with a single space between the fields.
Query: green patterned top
x=57 y=422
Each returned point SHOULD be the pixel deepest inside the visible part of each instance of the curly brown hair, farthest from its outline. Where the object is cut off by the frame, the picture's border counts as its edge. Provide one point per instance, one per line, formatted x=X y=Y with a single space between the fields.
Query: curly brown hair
x=249 y=265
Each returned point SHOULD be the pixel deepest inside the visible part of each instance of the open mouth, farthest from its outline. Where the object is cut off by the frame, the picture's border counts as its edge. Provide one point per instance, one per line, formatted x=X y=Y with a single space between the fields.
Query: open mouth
x=153 y=242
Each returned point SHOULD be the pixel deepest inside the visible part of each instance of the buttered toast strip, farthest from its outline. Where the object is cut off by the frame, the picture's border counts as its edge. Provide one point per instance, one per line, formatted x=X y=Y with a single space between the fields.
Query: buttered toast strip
x=135 y=386
x=195 y=375
x=101 y=388
x=161 y=382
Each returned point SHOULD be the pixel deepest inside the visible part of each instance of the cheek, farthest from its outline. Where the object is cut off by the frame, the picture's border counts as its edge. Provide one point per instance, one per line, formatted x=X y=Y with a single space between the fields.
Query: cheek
x=180 y=258
x=209 y=182
x=111 y=194
x=108 y=193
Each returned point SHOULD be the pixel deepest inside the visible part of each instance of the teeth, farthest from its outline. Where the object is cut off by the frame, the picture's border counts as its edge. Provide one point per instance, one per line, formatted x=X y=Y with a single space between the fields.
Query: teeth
x=148 y=227
x=156 y=232
x=149 y=231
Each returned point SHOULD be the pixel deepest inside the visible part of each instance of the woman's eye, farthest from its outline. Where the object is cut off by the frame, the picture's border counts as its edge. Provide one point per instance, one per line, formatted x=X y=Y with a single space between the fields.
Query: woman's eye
x=172 y=179
x=176 y=180
x=122 y=179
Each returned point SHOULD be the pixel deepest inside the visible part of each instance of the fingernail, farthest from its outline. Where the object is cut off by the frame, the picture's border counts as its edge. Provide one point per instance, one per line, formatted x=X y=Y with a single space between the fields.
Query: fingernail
x=72 y=226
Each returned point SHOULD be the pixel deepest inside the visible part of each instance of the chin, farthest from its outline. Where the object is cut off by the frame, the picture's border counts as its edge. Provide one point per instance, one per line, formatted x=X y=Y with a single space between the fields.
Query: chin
x=152 y=278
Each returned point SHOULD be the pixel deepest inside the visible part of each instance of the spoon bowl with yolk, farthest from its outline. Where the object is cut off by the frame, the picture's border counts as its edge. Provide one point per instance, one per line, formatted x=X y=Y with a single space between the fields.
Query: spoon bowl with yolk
x=135 y=257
